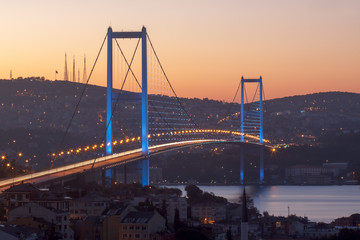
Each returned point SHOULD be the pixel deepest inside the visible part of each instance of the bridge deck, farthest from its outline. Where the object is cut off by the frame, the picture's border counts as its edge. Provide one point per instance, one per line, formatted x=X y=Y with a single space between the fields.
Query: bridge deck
x=102 y=162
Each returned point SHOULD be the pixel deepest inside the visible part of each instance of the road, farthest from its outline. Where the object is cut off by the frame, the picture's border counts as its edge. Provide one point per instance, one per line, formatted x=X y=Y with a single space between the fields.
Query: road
x=102 y=162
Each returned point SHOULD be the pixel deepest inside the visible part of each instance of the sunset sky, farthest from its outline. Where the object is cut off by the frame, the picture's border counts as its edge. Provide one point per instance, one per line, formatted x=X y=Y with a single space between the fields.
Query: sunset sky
x=297 y=46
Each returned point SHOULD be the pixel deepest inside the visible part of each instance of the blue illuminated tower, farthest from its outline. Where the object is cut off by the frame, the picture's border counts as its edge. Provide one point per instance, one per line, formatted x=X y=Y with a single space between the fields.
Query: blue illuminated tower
x=252 y=124
x=141 y=97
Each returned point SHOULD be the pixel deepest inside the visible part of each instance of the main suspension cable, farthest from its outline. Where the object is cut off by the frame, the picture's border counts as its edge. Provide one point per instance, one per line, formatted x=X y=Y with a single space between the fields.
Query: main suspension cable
x=78 y=103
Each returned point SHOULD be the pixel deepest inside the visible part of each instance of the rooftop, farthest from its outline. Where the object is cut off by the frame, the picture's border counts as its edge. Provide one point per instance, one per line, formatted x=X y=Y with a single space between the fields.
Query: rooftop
x=138 y=217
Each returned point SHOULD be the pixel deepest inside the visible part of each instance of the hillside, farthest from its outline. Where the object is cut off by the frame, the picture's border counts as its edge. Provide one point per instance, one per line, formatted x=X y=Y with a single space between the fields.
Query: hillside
x=36 y=107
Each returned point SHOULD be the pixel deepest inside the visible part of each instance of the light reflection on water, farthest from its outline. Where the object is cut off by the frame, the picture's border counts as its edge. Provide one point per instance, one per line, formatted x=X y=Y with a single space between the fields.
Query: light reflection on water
x=318 y=203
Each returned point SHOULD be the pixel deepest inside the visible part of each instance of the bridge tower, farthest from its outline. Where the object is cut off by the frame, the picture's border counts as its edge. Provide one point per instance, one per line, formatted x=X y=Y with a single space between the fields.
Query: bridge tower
x=252 y=123
x=141 y=97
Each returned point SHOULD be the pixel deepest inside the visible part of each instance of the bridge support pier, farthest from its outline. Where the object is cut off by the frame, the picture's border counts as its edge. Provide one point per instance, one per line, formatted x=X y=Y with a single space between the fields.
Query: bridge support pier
x=145 y=171
x=242 y=164
x=143 y=97
x=125 y=174
x=108 y=177
x=261 y=180
x=255 y=126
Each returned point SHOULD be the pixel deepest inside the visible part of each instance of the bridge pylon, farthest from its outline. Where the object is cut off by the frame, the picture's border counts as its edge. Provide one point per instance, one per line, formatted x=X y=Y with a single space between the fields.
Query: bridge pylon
x=142 y=97
x=252 y=123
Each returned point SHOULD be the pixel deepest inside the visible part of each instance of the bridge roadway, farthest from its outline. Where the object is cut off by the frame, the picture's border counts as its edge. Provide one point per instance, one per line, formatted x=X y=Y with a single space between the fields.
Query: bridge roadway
x=101 y=162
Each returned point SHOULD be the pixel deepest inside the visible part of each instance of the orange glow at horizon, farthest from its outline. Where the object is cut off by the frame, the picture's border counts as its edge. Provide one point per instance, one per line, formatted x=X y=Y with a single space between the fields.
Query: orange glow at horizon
x=298 y=47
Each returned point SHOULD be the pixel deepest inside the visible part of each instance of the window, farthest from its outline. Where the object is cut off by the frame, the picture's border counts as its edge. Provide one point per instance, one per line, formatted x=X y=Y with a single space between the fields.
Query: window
x=143 y=227
x=124 y=235
x=131 y=227
x=29 y=209
x=124 y=227
x=137 y=235
x=137 y=227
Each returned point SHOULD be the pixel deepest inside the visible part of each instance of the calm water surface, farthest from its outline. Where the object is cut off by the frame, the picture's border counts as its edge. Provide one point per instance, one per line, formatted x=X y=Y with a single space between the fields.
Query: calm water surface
x=318 y=203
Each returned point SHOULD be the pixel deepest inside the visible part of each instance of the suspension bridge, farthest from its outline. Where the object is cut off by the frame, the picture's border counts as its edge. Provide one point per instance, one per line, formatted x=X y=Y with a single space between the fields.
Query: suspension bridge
x=151 y=119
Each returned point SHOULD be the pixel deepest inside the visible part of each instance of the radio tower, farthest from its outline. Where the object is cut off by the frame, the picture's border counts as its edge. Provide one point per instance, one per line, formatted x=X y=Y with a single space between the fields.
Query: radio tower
x=84 y=74
x=78 y=75
x=66 y=76
x=74 y=77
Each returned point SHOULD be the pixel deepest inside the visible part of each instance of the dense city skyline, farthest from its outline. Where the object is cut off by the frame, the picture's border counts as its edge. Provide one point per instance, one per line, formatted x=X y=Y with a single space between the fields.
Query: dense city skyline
x=298 y=47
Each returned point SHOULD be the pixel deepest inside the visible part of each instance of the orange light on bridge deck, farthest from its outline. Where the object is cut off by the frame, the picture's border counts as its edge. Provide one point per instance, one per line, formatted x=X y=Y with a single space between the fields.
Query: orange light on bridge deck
x=127 y=140
x=138 y=138
x=68 y=152
x=273 y=150
x=20 y=154
x=133 y=139
x=2 y=157
x=8 y=164
x=121 y=141
x=115 y=142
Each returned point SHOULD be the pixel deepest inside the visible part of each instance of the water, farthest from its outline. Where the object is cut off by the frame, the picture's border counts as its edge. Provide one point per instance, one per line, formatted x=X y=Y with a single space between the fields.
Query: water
x=318 y=203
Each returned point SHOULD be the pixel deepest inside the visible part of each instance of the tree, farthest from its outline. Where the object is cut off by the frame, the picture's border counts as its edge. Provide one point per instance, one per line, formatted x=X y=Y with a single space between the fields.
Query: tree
x=193 y=193
x=228 y=234
x=163 y=211
x=348 y=234
x=177 y=219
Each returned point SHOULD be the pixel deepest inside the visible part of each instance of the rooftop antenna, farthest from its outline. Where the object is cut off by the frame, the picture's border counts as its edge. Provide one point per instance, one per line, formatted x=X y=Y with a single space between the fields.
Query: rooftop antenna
x=288 y=210
x=66 y=76
x=10 y=74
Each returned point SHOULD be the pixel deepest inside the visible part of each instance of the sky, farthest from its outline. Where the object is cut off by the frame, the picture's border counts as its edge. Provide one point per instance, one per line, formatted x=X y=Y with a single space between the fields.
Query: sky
x=205 y=46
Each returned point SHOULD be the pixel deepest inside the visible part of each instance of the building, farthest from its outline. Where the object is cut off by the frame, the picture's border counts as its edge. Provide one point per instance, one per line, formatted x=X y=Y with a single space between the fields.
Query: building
x=21 y=194
x=320 y=230
x=89 y=205
x=141 y=225
x=178 y=203
x=112 y=219
x=57 y=219
x=127 y=224
x=208 y=212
